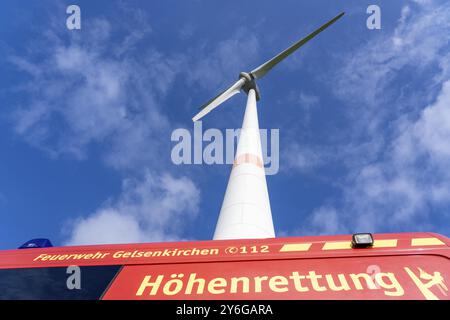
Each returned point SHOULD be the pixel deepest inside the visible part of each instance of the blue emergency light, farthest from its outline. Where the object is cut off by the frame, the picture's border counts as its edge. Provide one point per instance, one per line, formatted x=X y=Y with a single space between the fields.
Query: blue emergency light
x=36 y=243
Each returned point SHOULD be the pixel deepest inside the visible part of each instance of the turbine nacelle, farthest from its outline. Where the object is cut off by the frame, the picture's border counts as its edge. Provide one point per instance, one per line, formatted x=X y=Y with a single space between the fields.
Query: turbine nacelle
x=249 y=83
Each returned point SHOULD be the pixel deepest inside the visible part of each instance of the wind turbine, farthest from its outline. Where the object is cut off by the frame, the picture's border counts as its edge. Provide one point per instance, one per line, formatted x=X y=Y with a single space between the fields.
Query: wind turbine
x=245 y=212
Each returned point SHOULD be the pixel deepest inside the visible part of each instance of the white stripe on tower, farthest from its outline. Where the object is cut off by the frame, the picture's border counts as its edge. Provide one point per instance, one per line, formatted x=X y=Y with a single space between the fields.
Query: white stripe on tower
x=245 y=212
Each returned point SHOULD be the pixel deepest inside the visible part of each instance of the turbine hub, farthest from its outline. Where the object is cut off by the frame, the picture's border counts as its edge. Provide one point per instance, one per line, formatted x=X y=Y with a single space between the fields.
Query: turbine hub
x=246 y=76
x=250 y=83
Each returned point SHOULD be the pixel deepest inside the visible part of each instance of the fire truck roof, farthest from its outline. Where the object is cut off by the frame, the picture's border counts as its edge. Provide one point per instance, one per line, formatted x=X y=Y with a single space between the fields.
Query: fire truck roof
x=225 y=250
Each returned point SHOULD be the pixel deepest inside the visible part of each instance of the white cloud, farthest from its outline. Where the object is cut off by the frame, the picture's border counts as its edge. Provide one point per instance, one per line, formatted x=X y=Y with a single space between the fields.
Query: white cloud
x=418 y=41
x=154 y=208
x=297 y=156
x=308 y=101
x=324 y=220
x=106 y=226
x=423 y=2
x=93 y=90
x=86 y=91
x=433 y=129
x=217 y=65
x=83 y=93
x=402 y=180
x=302 y=158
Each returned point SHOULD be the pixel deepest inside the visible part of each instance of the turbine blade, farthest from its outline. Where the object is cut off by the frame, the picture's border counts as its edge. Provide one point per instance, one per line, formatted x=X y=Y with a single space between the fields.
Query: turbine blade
x=220 y=98
x=259 y=72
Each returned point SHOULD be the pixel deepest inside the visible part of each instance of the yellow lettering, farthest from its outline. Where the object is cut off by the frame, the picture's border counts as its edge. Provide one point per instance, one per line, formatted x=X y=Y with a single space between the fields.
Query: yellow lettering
x=394 y=284
x=258 y=281
x=245 y=284
x=146 y=283
x=276 y=281
x=315 y=281
x=39 y=257
x=344 y=285
x=297 y=282
x=192 y=280
x=217 y=282
x=118 y=254
x=177 y=285
x=369 y=281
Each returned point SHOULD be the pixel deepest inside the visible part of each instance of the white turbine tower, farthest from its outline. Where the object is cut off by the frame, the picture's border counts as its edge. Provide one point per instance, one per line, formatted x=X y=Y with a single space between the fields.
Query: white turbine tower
x=245 y=212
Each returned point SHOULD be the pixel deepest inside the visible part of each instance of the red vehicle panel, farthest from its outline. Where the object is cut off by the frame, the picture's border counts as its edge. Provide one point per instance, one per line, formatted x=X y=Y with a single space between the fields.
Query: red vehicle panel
x=398 y=266
x=333 y=278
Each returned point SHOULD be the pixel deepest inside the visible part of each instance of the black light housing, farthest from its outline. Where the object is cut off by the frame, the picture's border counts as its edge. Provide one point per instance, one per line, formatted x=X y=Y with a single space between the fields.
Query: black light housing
x=362 y=240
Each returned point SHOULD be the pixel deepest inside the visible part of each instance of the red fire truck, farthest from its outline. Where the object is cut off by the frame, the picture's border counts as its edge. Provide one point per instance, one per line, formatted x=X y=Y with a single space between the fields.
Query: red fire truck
x=362 y=266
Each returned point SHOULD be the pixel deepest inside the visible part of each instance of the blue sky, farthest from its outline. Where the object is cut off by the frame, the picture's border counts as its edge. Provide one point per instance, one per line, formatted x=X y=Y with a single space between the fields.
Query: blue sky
x=87 y=115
